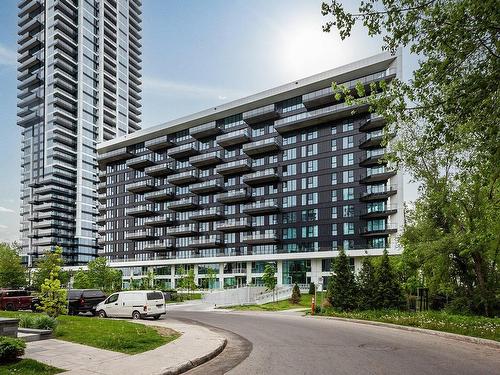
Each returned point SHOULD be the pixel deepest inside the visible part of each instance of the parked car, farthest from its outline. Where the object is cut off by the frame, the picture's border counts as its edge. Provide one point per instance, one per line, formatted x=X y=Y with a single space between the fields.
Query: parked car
x=13 y=300
x=137 y=304
x=84 y=300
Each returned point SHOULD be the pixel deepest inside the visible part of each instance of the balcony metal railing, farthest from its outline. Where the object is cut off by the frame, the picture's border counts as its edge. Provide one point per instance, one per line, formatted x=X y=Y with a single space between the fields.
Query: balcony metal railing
x=268 y=112
x=209 y=158
x=205 y=130
x=235 y=166
x=183 y=177
x=160 y=195
x=159 y=245
x=183 y=230
x=267 y=205
x=158 y=143
x=141 y=186
x=261 y=146
x=207 y=186
x=163 y=169
x=233 y=196
x=268 y=236
x=211 y=213
x=233 y=138
x=266 y=175
x=207 y=241
x=234 y=224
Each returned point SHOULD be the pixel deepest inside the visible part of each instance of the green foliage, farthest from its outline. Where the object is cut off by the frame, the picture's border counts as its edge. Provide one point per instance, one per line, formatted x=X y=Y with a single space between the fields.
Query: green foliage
x=53 y=298
x=312 y=288
x=11 y=348
x=341 y=290
x=187 y=281
x=37 y=321
x=211 y=277
x=367 y=286
x=446 y=119
x=389 y=291
x=99 y=276
x=12 y=272
x=295 y=294
x=44 y=265
x=28 y=367
x=268 y=277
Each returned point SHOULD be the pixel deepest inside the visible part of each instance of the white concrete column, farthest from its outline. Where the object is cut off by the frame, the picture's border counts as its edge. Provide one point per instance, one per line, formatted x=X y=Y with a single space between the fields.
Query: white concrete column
x=221 y=275
x=249 y=273
x=279 y=272
x=172 y=277
x=196 y=274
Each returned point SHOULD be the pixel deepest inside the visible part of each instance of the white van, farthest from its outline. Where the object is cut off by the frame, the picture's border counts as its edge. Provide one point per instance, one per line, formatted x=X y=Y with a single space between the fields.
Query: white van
x=137 y=304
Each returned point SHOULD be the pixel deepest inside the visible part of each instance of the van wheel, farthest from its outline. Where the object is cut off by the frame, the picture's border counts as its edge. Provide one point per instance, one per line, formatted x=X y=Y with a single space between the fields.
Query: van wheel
x=9 y=307
x=101 y=314
x=136 y=315
x=156 y=317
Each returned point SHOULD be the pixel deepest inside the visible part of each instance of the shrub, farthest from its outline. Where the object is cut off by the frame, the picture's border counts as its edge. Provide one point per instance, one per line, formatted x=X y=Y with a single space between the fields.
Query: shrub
x=37 y=322
x=295 y=294
x=26 y=321
x=312 y=288
x=10 y=348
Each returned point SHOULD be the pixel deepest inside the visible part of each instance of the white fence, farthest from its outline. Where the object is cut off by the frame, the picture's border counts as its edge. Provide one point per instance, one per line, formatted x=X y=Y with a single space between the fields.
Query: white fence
x=248 y=295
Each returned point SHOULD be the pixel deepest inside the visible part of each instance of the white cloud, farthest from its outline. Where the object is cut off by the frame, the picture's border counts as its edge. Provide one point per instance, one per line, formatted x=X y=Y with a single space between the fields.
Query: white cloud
x=5 y=209
x=7 y=56
x=166 y=87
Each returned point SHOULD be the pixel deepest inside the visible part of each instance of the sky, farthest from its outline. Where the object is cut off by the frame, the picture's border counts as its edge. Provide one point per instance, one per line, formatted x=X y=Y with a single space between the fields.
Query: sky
x=196 y=55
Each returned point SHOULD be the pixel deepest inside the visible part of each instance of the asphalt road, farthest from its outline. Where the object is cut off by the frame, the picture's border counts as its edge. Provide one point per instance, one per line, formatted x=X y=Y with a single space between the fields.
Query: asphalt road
x=287 y=344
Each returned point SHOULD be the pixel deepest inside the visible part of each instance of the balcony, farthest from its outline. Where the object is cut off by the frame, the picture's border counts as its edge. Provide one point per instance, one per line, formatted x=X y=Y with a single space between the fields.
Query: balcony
x=268 y=112
x=183 y=178
x=159 y=245
x=207 y=242
x=163 y=220
x=234 y=138
x=234 y=167
x=159 y=143
x=207 y=187
x=160 y=170
x=372 y=142
x=378 y=177
x=183 y=151
x=204 y=160
x=373 y=161
x=269 y=236
x=205 y=130
x=101 y=187
x=139 y=235
x=261 y=207
x=263 y=146
x=141 y=186
x=261 y=177
x=162 y=195
x=185 y=230
x=140 y=162
x=379 y=195
x=184 y=204
x=382 y=213
x=374 y=232
x=208 y=214
x=374 y=122
x=318 y=116
x=234 y=196
x=234 y=225
x=139 y=211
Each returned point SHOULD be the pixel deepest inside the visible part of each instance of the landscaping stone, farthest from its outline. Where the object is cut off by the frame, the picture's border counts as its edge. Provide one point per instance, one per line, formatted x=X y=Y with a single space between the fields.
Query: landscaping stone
x=9 y=327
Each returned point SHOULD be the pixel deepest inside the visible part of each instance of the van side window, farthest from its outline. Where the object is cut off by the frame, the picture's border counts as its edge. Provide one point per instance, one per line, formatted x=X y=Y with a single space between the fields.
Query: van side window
x=154 y=295
x=112 y=298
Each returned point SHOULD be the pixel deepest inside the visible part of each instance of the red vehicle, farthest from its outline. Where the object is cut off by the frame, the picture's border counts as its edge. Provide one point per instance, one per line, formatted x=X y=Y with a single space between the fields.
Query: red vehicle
x=12 y=300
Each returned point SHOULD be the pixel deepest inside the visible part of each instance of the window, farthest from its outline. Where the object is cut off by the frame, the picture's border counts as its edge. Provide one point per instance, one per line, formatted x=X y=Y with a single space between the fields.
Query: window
x=310 y=215
x=310 y=166
x=347 y=176
x=289 y=217
x=290 y=154
x=310 y=182
x=348 y=244
x=375 y=170
x=334 y=212
x=310 y=150
x=376 y=225
x=309 y=136
x=289 y=233
x=348 y=210
x=112 y=298
x=348 y=159
x=334 y=145
x=348 y=228
x=348 y=194
x=290 y=201
x=290 y=185
x=375 y=207
x=348 y=142
x=348 y=126
x=292 y=104
x=334 y=178
x=310 y=231
x=290 y=170
x=334 y=129
x=377 y=243
x=334 y=162
x=289 y=140
x=334 y=229
x=334 y=196
x=309 y=198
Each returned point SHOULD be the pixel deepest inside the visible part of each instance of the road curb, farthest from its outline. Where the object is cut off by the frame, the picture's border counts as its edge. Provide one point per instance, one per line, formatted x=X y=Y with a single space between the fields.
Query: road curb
x=452 y=336
x=197 y=361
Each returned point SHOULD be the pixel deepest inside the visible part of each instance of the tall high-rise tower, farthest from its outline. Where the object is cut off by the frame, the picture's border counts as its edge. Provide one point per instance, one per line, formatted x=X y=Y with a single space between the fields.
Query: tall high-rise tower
x=79 y=72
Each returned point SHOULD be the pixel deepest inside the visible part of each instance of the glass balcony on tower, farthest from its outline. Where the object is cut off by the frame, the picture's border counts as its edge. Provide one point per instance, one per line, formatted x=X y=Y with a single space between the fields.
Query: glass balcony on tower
x=372 y=231
x=159 y=143
x=141 y=186
x=234 y=196
x=268 y=112
x=184 y=230
x=268 y=236
x=183 y=178
x=373 y=161
x=140 y=162
x=162 y=195
x=162 y=220
x=234 y=225
x=207 y=242
x=380 y=210
x=374 y=122
x=159 y=245
x=207 y=187
x=204 y=160
x=139 y=211
x=160 y=170
x=183 y=151
x=261 y=177
x=266 y=206
x=205 y=130
x=139 y=235
x=263 y=146
x=234 y=138
x=379 y=174
x=184 y=204
x=234 y=167
x=208 y=214
x=379 y=193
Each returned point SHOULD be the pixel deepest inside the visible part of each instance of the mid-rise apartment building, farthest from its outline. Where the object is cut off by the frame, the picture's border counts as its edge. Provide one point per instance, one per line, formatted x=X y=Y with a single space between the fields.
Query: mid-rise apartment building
x=287 y=176
x=79 y=73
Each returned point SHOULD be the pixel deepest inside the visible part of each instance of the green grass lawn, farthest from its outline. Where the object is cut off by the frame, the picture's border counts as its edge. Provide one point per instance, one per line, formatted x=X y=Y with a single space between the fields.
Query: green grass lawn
x=305 y=303
x=476 y=326
x=28 y=367
x=116 y=335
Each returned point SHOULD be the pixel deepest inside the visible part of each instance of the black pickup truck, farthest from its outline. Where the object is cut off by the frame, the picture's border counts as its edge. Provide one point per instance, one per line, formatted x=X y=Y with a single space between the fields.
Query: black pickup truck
x=80 y=300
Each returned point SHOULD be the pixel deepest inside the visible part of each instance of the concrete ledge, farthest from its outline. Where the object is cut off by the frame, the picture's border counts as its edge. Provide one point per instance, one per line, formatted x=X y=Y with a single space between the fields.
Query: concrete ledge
x=448 y=335
x=31 y=334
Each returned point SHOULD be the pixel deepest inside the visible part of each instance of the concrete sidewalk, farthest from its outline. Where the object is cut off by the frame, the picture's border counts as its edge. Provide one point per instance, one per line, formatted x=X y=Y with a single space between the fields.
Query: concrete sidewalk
x=196 y=345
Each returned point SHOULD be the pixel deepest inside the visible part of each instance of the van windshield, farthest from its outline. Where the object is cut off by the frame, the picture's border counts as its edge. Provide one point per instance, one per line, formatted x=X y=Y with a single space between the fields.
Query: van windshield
x=154 y=295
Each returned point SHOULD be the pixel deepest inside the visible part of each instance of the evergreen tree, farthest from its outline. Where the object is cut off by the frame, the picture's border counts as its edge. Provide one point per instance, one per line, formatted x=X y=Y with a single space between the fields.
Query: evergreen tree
x=295 y=299
x=342 y=285
x=389 y=290
x=367 y=286
x=312 y=289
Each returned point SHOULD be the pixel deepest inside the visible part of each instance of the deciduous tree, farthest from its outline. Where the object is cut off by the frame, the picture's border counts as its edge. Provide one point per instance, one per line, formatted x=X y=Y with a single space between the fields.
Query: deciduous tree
x=12 y=272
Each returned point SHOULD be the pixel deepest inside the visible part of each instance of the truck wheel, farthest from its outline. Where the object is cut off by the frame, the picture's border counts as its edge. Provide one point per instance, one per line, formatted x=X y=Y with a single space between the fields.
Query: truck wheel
x=101 y=314
x=136 y=315
x=9 y=307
